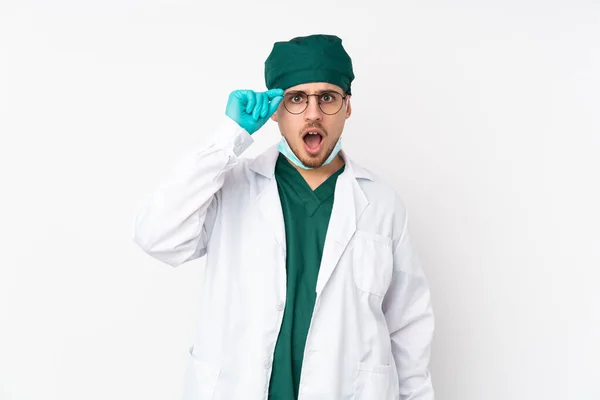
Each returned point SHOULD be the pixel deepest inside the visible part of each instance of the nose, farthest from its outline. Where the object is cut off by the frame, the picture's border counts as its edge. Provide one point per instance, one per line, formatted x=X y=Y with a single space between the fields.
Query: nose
x=313 y=111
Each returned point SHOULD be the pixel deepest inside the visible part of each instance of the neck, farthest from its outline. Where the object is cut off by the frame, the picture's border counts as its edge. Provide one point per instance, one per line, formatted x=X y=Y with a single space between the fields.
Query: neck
x=314 y=177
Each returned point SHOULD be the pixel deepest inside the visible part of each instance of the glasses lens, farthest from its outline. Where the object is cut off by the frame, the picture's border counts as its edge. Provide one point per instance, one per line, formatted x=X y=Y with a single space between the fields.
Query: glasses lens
x=295 y=102
x=331 y=102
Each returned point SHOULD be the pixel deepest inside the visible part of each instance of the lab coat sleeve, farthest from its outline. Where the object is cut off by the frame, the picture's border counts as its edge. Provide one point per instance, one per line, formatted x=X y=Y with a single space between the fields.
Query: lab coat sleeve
x=174 y=222
x=409 y=315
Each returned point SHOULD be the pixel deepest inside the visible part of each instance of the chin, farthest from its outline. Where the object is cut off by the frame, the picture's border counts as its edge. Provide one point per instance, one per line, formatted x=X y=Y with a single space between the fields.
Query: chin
x=314 y=161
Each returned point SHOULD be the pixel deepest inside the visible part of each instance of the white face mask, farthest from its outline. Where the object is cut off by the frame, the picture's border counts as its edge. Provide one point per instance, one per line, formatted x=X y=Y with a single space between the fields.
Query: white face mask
x=285 y=149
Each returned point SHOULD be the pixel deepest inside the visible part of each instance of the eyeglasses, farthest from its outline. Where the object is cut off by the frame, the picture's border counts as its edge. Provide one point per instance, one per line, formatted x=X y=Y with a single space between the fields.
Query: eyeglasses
x=330 y=101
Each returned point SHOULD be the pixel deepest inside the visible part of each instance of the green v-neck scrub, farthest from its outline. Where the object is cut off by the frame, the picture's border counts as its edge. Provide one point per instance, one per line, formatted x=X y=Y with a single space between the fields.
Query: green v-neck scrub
x=306 y=215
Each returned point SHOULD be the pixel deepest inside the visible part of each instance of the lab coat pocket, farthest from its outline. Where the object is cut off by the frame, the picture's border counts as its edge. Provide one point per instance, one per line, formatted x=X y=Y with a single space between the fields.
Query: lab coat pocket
x=201 y=378
x=372 y=262
x=374 y=382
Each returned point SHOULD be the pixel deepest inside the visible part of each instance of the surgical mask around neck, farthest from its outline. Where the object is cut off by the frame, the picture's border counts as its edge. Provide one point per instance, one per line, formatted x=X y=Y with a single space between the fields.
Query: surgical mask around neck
x=285 y=149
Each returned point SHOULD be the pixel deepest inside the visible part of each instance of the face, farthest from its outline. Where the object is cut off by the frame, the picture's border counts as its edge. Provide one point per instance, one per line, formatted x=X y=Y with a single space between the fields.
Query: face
x=312 y=134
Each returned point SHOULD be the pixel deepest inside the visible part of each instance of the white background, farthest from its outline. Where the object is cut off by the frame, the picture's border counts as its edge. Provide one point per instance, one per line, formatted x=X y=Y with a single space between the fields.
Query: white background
x=483 y=115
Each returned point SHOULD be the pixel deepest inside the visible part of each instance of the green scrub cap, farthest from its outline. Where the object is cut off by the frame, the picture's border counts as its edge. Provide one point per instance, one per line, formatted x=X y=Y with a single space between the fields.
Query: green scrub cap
x=305 y=59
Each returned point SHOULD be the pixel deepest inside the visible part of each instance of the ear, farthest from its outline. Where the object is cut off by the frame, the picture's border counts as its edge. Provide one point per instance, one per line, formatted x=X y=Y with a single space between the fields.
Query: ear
x=274 y=116
x=348 y=107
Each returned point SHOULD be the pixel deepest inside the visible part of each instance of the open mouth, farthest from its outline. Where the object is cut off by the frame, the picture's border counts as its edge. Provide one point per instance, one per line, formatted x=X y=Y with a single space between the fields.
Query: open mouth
x=313 y=139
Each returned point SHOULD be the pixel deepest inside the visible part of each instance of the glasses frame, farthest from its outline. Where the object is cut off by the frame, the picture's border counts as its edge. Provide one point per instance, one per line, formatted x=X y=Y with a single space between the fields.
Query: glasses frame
x=343 y=96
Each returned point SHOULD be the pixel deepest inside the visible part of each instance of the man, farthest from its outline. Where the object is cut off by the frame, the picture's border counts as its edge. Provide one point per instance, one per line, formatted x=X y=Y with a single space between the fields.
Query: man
x=312 y=290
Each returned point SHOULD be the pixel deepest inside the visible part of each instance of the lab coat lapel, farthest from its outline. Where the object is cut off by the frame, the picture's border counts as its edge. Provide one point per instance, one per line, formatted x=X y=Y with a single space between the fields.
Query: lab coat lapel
x=268 y=200
x=269 y=204
x=348 y=205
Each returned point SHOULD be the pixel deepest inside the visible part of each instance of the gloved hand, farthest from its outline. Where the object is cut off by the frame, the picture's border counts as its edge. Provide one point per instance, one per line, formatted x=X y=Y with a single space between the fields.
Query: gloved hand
x=250 y=109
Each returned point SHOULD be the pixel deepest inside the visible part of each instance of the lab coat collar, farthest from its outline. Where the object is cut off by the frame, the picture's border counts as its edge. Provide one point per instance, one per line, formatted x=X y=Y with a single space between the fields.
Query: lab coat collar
x=344 y=215
x=264 y=164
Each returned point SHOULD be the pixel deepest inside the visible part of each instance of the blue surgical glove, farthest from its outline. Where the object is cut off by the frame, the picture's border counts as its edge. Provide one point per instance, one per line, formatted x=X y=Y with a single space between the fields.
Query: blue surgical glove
x=250 y=109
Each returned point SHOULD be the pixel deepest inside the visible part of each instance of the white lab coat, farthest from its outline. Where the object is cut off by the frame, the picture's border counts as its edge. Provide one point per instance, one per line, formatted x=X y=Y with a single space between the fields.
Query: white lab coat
x=372 y=325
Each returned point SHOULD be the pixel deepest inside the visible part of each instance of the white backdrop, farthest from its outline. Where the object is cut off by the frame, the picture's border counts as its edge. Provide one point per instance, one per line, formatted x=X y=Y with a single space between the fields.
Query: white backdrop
x=483 y=115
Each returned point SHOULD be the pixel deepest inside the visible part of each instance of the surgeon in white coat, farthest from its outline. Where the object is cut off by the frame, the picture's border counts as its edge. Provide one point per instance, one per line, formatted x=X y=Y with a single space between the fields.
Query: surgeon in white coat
x=312 y=289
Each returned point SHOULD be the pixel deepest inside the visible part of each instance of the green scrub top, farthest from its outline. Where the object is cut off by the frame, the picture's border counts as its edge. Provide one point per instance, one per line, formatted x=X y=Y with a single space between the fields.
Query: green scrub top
x=306 y=215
